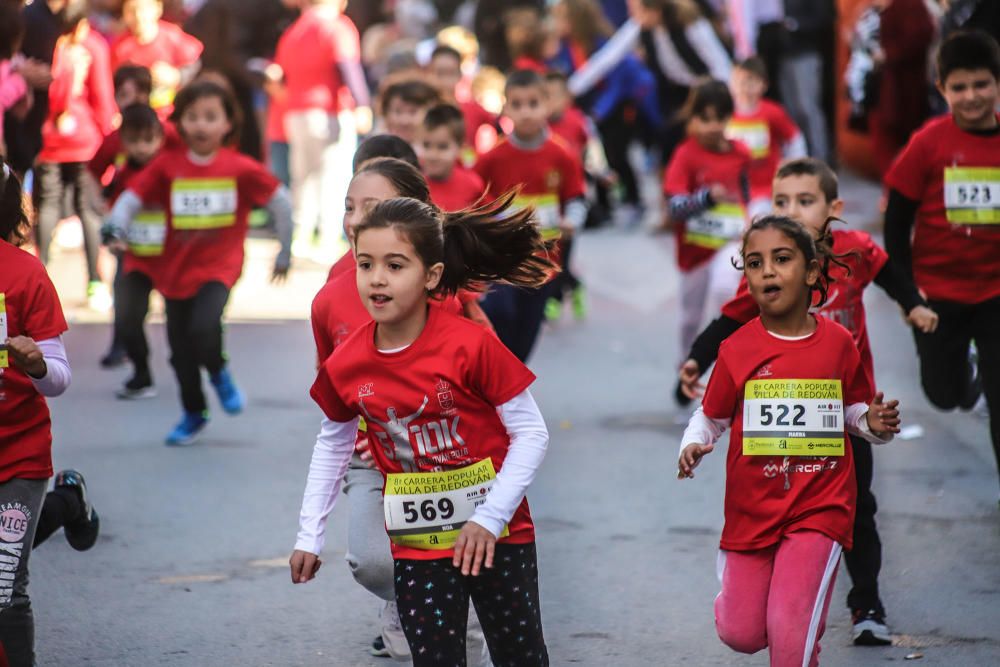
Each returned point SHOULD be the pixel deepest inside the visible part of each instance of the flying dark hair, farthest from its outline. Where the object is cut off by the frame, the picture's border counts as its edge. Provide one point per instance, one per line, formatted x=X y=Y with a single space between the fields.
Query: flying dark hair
x=709 y=95
x=14 y=221
x=406 y=179
x=412 y=91
x=524 y=78
x=810 y=166
x=195 y=91
x=448 y=116
x=384 y=145
x=137 y=74
x=478 y=245
x=968 y=50
x=140 y=119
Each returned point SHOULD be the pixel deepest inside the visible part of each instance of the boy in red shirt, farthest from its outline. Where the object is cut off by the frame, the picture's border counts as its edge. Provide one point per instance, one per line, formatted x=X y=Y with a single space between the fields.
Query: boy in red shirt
x=170 y=53
x=480 y=125
x=942 y=225
x=550 y=179
x=762 y=126
x=81 y=110
x=404 y=104
x=452 y=186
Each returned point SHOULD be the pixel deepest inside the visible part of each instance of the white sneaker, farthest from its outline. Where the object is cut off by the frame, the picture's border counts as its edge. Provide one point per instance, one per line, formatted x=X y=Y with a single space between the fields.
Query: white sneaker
x=392 y=632
x=99 y=297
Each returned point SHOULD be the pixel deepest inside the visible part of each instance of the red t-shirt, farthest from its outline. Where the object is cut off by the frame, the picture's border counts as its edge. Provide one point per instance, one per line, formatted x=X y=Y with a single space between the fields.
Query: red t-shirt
x=768 y=497
x=29 y=306
x=207 y=210
x=344 y=264
x=844 y=303
x=309 y=53
x=445 y=387
x=80 y=111
x=692 y=168
x=765 y=133
x=954 y=259
x=476 y=117
x=111 y=155
x=463 y=189
x=171 y=45
x=571 y=127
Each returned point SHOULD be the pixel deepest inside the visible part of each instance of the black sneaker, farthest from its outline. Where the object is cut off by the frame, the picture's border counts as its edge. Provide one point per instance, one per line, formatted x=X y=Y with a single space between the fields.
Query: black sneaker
x=137 y=388
x=974 y=389
x=870 y=628
x=378 y=648
x=82 y=533
x=115 y=357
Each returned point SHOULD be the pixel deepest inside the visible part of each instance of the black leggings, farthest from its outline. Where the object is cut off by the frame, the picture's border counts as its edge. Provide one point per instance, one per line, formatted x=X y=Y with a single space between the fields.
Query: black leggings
x=433 y=600
x=51 y=180
x=944 y=357
x=131 y=307
x=617 y=132
x=194 y=330
x=864 y=561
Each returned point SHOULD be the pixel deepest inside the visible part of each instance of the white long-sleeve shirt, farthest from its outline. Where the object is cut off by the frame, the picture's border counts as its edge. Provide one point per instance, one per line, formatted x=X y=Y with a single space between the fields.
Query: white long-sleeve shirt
x=58 y=375
x=335 y=445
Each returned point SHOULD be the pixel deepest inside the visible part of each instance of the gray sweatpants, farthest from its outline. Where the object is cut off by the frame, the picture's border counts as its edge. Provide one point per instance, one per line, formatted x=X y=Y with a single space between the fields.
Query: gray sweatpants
x=370 y=557
x=20 y=507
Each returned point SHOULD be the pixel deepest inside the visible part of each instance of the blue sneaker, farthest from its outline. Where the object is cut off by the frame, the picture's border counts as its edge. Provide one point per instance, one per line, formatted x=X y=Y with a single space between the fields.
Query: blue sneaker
x=187 y=429
x=229 y=394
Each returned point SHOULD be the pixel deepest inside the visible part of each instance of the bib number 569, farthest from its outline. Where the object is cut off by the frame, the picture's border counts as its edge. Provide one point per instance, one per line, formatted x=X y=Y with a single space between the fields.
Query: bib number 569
x=780 y=418
x=429 y=510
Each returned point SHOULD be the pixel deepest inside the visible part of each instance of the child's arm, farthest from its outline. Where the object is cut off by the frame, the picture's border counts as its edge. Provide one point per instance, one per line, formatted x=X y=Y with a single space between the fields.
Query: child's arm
x=122 y=214
x=876 y=423
x=529 y=439
x=699 y=439
x=686 y=206
x=331 y=454
x=898 y=285
x=703 y=353
x=280 y=209
x=43 y=361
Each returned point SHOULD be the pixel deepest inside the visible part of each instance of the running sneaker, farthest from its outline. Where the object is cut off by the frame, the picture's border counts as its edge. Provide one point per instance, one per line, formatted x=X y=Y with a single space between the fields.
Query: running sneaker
x=553 y=309
x=378 y=648
x=870 y=628
x=392 y=632
x=229 y=394
x=974 y=389
x=137 y=388
x=187 y=429
x=99 y=297
x=578 y=300
x=115 y=357
x=81 y=533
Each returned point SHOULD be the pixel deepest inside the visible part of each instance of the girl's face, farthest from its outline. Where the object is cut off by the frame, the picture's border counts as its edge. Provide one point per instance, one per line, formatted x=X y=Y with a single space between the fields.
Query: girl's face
x=403 y=119
x=366 y=190
x=392 y=279
x=777 y=274
x=709 y=129
x=204 y=125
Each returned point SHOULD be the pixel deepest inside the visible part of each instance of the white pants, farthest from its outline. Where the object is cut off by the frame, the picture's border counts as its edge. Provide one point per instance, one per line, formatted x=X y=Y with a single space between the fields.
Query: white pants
x=704 y=290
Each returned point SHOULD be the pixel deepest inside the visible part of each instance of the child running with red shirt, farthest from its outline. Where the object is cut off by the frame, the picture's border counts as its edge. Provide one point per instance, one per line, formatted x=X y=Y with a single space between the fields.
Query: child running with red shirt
x=806 y=191
x=942 y=225
x=791 y=385
x=453 y=187
x=707 y=190
x=420 y=370
x=445 y=69
x=207 y=192
x=549 y=179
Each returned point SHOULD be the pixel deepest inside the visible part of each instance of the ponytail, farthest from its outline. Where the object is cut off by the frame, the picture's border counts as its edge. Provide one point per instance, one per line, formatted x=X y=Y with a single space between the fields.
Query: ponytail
x=483 y=244
x=14 y=222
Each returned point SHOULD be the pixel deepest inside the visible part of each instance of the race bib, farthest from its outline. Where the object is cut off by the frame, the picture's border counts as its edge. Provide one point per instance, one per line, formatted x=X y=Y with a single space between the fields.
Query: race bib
x=147 y=234
x=4 y=363
x=203 y=203
x=547 y=213
x=972 y=195
x=754 y=134
x=426 y=510
x=716 y=227
x=793 y=418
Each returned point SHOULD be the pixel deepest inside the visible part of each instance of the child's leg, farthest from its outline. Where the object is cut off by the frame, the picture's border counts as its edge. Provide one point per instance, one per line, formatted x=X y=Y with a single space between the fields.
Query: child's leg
x=368 y=553
x=205 y=325
x=530 y=313
x=18 y=523
x=48 y=193
x=506 y=600
x=694 y=289
x=433 y=601
x=986 y=331
x=945 y=372
x=130 y=311
x=184 y=355
x=741 y=606
x=805 y=568
x=84 y=195
x=865 y=560
x=500 y=305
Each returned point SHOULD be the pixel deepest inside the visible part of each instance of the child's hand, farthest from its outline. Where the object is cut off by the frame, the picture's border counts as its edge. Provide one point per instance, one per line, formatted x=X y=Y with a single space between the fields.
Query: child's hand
x=304 y=566
x=923 y=319
x=567 y=228
x=474 y=548
x=363 y=448
x=719 y=193
x=688 y=376
x=27 y=356
x=117 y=246
x=280 y=272
x=690 y=458
x=883 y=416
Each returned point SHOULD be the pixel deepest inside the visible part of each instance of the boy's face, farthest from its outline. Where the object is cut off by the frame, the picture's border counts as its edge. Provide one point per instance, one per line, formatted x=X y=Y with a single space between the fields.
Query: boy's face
x=141 y=147
x=439 y=152
x=747 y=88
x=709 y=128
x=527 y=109
x=141 y=14
x=971 y=95
x=404 y=118
x=447 y=72
x=800 y=198
x=128 y=93
x=558 y=97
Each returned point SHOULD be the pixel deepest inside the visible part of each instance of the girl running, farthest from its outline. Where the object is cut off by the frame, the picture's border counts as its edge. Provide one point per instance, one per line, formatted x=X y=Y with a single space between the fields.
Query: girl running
x=207 y=190
x=425 y=380
x=791 y=385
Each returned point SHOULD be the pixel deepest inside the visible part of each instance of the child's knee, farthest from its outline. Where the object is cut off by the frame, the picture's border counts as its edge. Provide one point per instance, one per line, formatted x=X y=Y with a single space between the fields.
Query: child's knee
x=739 y=634
x=373 y=573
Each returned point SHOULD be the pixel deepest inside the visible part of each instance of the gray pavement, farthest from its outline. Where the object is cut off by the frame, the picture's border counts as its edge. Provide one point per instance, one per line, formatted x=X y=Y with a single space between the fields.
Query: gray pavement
x=191 y=566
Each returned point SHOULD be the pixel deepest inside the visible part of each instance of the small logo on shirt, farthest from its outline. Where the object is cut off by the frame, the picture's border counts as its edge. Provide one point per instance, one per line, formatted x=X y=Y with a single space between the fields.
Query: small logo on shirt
x=764 y=371
x=366 y=390
x=445 y=398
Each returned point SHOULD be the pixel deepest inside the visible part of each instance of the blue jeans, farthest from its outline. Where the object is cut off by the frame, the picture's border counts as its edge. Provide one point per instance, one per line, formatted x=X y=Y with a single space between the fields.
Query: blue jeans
x=278 y=151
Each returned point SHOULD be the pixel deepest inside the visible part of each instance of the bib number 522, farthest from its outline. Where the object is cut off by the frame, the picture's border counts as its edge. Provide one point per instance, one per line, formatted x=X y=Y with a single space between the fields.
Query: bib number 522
x=769 y=416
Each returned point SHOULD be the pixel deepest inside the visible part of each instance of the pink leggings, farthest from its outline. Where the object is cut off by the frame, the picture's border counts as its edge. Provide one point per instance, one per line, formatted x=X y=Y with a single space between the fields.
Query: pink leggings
x=777 y=598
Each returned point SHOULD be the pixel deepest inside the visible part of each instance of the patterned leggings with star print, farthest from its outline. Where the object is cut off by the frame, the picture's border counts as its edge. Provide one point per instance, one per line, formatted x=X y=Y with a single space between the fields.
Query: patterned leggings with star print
x=433 y=601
